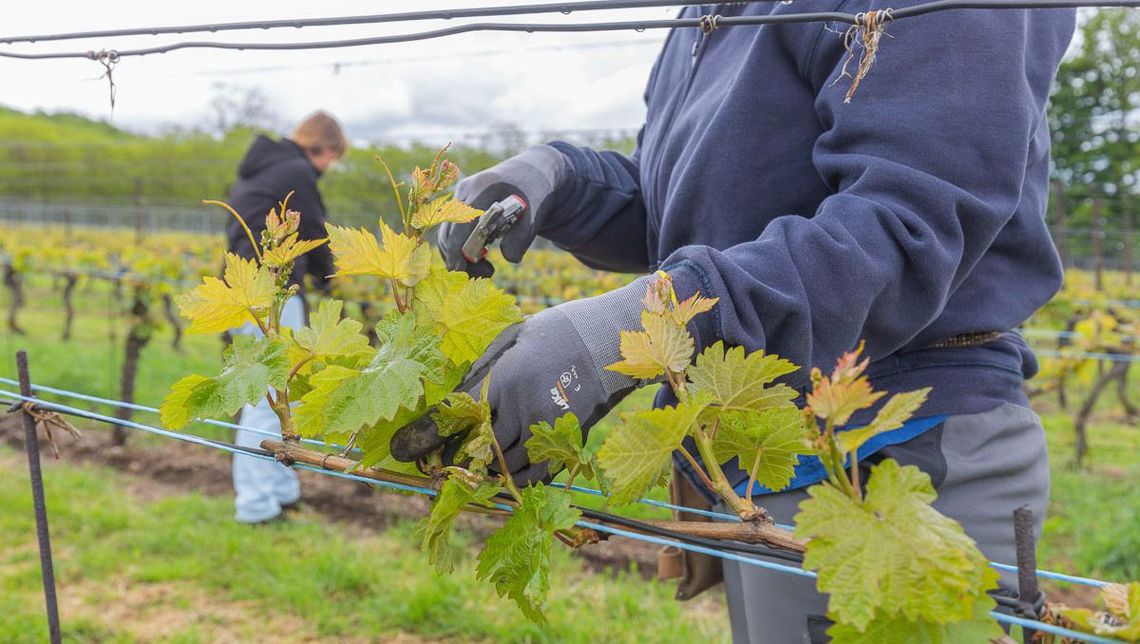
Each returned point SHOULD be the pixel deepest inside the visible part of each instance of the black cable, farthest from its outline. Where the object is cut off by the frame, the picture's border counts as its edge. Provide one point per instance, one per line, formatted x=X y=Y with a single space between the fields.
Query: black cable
x=381 y=18
x=704 y=22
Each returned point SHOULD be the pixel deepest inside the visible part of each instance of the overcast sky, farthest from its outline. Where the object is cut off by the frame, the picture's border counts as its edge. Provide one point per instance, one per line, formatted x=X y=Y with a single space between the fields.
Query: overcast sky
x=438 y=87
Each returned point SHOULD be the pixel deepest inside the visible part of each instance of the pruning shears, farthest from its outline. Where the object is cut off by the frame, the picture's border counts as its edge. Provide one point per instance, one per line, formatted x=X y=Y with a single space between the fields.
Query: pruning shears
x=494 y=223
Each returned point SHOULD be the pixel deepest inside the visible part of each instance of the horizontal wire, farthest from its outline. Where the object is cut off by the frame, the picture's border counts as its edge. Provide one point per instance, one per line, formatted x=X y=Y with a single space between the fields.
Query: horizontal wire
x=642 y=25
x=153 y=410
x=219 y=423
x=240 y=450
x=730 y=556
x=1075 y=579
x=382 y=18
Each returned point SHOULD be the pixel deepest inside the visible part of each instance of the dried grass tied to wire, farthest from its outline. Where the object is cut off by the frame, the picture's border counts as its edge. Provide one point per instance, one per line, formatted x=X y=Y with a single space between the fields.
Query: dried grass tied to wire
x=865 y=34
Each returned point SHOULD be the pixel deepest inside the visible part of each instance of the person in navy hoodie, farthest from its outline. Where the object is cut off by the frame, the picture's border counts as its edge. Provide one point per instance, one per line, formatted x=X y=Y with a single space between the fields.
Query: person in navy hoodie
x=911 y=218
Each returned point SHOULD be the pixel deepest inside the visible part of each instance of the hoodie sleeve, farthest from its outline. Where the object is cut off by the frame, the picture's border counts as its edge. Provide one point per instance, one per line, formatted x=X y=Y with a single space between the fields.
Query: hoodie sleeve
x=926 y=163
x=601 y=220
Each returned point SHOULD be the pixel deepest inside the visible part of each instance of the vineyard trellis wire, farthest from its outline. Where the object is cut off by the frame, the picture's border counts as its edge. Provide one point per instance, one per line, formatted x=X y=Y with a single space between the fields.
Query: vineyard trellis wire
x=876 y=20
x=19 y=400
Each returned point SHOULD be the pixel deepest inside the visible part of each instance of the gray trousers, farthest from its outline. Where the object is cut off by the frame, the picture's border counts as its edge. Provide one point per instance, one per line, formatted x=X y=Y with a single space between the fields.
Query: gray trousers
x=984 y=466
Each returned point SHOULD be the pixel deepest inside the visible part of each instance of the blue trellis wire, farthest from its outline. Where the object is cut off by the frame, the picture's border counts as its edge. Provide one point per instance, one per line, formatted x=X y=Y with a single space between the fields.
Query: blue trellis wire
x=730 y=556
x=1048 y=574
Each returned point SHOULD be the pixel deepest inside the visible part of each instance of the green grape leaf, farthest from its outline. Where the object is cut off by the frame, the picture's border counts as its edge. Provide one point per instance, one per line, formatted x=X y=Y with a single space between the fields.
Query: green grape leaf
x=891 y=416
x=396 y=256
x=328 y=335
x=516 y=558
x=435 y=529
x=343 y=400
x=561 y=446
x=637 y=455
x=979 y=627
x=661 y=346
x=218 y=305
x=739 y=381
x=768 y=442
x=890 y=554
x=250 y=367
x=374 y=440
x=443 y=209
x=459 y=413
x=467 y=313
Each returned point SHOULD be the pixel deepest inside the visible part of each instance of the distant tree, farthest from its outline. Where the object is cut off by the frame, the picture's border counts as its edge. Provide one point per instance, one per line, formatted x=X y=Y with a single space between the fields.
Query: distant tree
x=1094 y=112
x=235 y=107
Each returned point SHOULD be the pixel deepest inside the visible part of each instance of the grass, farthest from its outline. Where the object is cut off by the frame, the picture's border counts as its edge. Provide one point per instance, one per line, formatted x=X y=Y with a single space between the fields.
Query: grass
x=310 y=575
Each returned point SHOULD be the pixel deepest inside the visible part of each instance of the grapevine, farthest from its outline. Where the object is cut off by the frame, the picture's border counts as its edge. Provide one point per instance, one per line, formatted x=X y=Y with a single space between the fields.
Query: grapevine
x=906 y=571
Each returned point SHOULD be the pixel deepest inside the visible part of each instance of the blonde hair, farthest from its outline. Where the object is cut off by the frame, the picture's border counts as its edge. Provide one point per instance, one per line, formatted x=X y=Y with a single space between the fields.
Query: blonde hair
x=320 y=132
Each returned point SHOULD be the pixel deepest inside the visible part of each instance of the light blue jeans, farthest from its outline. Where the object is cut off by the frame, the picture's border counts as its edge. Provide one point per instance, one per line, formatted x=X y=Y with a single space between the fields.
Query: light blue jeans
x=261 y=486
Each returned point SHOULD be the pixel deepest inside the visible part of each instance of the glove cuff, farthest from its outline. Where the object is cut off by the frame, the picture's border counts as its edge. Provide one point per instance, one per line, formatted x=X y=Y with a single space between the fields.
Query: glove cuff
x=541 y=173
x=599 y=321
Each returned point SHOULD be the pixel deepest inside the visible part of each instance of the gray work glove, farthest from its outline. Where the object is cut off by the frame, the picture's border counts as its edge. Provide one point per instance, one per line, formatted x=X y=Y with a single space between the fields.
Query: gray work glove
x=550 y=364
x=536 y=174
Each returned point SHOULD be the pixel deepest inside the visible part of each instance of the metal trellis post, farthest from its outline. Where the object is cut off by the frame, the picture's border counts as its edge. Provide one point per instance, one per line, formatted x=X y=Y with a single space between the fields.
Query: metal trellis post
x=1027 y=589
x=32 y=446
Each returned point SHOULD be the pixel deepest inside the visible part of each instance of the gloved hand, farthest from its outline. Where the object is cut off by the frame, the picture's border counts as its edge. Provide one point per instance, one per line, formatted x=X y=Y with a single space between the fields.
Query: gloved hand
x=550 y=364
x=536 y=174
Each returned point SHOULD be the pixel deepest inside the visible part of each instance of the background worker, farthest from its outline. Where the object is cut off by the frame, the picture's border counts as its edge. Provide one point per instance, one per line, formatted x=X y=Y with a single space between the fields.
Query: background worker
x=271 y=170
x=911 y=217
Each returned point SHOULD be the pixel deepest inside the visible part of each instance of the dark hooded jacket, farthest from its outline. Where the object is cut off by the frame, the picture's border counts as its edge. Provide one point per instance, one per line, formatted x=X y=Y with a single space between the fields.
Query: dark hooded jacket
x=269 y=171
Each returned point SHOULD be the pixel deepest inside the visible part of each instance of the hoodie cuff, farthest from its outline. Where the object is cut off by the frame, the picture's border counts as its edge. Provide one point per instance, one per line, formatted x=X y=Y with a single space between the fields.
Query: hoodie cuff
x=689 y=279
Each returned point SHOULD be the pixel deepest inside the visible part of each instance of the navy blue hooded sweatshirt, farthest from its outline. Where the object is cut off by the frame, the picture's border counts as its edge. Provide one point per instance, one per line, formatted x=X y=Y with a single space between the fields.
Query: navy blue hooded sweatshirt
x=909 y=216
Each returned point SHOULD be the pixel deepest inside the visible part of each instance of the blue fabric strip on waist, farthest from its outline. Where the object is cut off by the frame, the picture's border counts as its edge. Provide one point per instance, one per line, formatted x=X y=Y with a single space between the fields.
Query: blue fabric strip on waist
x=810 y=470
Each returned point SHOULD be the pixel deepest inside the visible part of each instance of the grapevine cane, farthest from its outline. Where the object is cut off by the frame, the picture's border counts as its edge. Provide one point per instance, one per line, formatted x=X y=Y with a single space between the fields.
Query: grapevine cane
x=32 y=445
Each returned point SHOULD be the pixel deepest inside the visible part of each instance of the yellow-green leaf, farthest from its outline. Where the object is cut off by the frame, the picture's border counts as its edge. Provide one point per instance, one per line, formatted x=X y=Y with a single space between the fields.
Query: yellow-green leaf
x=661 y=346
x=891 y=416
x=343 y=400
x=561 y=446
x=891 y=554
x=395 y=256
x=441 y=209
x=328 y=335
x=217 y=305
x=251 y=366
x=738 y=381
x=767 y=443
x=467 y=313
x=637 y=455
x=289 y=250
